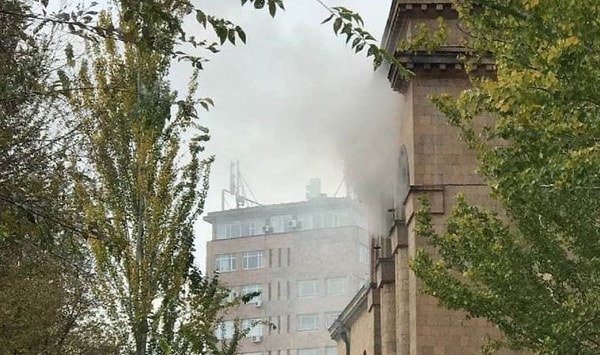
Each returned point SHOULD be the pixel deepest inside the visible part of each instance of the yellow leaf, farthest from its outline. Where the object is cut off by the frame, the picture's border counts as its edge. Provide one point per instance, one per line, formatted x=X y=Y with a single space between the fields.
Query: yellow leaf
x=571 y=41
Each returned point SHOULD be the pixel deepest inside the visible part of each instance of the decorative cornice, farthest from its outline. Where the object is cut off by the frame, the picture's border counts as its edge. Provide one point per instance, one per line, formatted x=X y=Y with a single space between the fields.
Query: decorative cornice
x=401 y=10
x=444 y=62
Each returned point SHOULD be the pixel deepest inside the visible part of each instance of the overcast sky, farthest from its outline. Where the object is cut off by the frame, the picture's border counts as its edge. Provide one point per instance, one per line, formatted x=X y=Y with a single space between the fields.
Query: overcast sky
x=292 y=104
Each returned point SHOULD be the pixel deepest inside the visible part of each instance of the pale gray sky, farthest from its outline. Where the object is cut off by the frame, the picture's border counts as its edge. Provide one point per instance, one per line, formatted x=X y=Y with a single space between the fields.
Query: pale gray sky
x=293 y=103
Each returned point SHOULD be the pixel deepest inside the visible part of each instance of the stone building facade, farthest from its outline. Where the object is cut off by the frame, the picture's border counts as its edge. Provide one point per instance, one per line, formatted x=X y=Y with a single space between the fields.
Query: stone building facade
x=391 y=316
x=306 y=258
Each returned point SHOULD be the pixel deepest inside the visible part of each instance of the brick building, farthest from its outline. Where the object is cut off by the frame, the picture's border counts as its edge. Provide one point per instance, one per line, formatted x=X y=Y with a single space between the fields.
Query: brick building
x=306 y=258
x=391 y=316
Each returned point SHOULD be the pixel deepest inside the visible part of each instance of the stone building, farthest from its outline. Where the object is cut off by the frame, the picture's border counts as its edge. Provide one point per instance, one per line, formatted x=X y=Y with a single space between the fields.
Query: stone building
x=391 y=316
x=306 y=258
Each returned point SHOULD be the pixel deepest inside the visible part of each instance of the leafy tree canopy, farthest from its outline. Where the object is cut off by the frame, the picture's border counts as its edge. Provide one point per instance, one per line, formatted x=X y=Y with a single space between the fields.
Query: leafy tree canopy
x=536 y=273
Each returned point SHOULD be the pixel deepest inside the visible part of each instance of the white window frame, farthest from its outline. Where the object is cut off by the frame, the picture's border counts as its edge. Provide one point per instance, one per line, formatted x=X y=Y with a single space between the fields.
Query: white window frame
x=231 y=295
x=255 y=326
x=225 y=330
x=317 y=221
x=246 y=289
x=229 y=260
x=363 y=254
x=247 y=260
x=237 y=225
x=276 y=222
x=222 y=231
x=307 y=288
x=336 y=285
x=331 y=350
x=307 y=322
x=307 y=351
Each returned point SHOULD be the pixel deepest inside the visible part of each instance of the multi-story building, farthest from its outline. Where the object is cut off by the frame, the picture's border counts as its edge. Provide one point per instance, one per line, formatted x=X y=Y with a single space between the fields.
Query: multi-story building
x=391 y=315
x=306 y=258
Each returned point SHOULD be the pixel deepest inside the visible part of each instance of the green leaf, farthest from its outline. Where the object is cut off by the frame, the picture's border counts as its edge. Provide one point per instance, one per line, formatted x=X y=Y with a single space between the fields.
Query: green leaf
x=222 y=34
x=241 y=33
x=259 y=4
x=272 y=8
x=201 y=17
x=231 y=35
x=327 y=19
x=337 y=24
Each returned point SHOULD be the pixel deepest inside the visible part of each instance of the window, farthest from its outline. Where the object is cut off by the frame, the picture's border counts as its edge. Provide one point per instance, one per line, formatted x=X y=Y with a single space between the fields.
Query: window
x=340 y=219
x=248 y=229
x=245 y=229
x=363 y=254
x=225 y=262
x=231 y=294
x=225 y=330
x=307 y=322
x=330 y=350
x=235 y=230
x=336 y=285
x=222 y=231
x=317 y=221
x=330 y=317
x=276 y=223
x=307 y=351
x=246 y=289
x=327 y=220
x=254 y=325
x=307 y=288
x=304 y=222
x=253 y=260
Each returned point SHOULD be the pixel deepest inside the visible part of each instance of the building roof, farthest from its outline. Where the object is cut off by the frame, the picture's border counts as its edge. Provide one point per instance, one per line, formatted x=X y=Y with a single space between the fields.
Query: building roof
x=319 y=203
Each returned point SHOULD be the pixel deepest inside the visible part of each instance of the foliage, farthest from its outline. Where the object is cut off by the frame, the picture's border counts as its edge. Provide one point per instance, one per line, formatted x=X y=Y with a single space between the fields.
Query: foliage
x=139 y=191
x=535 y=273
x=44 y=277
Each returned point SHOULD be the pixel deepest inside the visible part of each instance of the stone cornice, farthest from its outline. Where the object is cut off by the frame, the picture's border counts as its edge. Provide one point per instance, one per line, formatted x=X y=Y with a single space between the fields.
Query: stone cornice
x=444 y=62
x=400 y=10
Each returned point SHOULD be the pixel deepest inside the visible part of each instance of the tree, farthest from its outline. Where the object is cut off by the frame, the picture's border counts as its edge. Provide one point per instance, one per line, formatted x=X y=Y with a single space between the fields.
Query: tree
x=534 y=273
x=44 y=276
x=136 y=192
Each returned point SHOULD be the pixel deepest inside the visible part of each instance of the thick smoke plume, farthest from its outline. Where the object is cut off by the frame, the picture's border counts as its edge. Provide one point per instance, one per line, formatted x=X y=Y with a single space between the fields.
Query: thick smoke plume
x=370 y=146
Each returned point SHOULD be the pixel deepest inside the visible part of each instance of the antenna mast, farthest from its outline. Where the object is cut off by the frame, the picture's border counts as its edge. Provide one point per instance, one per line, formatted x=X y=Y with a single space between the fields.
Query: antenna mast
x=237 y=189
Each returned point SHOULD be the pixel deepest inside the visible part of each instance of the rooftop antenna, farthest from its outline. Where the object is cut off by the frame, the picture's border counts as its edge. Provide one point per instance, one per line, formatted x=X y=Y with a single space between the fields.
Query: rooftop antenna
x=237 y=189
x=342 y=183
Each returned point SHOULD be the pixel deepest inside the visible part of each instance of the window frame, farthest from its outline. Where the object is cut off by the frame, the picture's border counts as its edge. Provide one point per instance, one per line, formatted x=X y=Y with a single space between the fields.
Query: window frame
x=256 y=330
x=315 y=287
x=307 y=351
x=225 y=330
x=331 y=281
x=363 y=254
x=246 y=258
x=300 y=317
x=246 y=289
x=230 y=258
